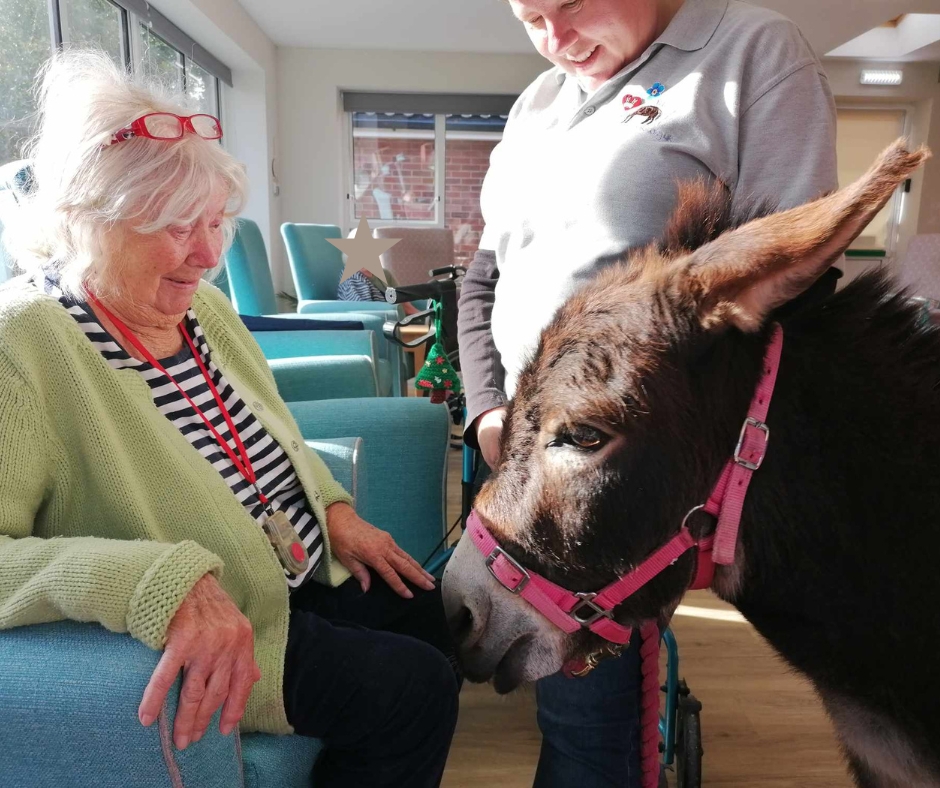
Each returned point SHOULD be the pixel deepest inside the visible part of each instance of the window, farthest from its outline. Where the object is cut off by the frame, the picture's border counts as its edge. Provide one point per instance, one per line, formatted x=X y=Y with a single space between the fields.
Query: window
x=470 y=140
x=202 y=89
x=862 y=134
x=394 y=167
x=157 y=60
x=25 y=43
x=422 y=168
x=133 y=34
x=98 y=23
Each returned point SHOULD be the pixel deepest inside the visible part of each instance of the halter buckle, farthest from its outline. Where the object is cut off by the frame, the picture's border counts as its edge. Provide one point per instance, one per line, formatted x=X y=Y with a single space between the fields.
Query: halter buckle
x=523 y=581
x=586 y=600
x=751 y=465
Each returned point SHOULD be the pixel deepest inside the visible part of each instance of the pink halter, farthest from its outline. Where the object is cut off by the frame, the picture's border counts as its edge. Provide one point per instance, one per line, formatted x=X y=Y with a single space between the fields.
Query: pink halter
x=594 y=610
x=573 y=611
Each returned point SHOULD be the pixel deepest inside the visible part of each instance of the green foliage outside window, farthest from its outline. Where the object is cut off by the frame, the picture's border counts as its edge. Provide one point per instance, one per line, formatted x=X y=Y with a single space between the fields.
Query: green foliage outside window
x=25 y=44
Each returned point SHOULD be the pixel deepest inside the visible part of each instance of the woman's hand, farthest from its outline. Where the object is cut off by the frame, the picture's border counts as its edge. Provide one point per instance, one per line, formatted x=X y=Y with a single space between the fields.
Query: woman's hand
x=212 y=642
x=359 y=545
x=490 y=434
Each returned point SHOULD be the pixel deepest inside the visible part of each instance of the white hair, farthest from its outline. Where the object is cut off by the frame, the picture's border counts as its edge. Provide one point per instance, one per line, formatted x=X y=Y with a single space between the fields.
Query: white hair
x=83 y=186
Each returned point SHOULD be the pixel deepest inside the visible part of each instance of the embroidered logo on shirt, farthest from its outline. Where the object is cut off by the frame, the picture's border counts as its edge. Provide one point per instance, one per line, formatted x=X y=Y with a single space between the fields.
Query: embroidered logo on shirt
x=649 y=113
x=635 y=106
x=631 y=102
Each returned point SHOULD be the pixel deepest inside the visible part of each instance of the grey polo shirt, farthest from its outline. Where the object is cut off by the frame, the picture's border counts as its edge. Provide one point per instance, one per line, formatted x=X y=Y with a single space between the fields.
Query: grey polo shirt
x=728 y=91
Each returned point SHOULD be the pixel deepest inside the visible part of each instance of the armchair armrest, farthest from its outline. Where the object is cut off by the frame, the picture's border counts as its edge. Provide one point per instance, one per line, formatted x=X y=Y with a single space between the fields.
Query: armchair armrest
x=299 y=380
x=69 y=694
x=404 y=446
x=313 y=307
x=289 y=344
x=370 y=321
x=344 y=458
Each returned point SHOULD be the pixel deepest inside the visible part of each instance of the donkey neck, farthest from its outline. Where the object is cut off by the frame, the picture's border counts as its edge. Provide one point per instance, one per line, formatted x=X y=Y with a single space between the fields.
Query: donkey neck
x=848 y=482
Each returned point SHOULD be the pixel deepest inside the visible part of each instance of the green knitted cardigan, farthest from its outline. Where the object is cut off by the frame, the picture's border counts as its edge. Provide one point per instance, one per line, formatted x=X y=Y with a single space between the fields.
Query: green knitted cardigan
x=109 y=515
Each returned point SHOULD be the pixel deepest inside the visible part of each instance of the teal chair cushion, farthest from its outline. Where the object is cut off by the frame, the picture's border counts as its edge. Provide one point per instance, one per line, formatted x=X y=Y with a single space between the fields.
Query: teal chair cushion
x=316 y=265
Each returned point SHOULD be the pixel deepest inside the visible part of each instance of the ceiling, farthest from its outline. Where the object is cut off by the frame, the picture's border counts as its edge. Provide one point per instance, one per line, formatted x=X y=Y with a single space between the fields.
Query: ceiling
x=910 y=37
x=488 y=26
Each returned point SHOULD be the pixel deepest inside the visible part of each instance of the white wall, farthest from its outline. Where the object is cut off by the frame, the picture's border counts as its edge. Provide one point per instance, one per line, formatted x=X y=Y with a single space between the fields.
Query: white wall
x=311 y=122
x=249 y=113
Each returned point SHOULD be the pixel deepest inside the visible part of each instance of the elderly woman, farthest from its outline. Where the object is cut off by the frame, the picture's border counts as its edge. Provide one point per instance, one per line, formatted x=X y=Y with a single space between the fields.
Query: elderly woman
x=642 y=94
x=145 y=448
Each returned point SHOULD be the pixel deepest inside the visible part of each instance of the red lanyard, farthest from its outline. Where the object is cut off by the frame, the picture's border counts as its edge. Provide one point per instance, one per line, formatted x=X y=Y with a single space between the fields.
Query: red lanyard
x=243 y=464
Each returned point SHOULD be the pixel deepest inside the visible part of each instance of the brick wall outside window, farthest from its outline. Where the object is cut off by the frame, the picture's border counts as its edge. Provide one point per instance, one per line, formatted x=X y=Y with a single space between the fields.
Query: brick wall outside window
x=403 y=169
x=465 y=165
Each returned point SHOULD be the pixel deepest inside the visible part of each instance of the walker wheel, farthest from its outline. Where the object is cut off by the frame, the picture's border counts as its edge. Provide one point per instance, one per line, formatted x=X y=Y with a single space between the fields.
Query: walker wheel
x=688 y=741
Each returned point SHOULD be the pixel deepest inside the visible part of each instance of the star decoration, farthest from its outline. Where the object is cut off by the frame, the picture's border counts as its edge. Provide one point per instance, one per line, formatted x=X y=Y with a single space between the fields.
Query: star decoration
x=363 y=251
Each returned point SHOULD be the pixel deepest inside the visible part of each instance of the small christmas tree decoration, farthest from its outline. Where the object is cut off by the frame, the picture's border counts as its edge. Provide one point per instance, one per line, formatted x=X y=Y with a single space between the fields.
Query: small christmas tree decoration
x=438 y=375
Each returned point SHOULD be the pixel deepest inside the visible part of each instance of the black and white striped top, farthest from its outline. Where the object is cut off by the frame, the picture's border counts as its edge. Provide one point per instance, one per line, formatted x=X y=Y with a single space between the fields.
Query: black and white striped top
x=275 y=473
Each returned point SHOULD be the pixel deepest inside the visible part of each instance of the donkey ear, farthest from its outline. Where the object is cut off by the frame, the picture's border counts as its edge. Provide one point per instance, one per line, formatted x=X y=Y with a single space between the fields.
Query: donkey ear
x=742 y=276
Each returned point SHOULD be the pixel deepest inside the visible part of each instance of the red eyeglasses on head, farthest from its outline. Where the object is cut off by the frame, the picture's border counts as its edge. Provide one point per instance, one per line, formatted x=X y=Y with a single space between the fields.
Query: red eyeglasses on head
x=167 y=126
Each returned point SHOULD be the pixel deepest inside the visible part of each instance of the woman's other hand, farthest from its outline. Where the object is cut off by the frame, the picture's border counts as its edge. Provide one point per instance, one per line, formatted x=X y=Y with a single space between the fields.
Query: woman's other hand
x=358 y=545
x=212 y=642
x=490 y=434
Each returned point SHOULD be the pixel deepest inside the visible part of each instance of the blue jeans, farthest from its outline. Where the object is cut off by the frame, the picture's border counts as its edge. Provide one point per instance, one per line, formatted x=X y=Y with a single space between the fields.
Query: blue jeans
x=590 y=726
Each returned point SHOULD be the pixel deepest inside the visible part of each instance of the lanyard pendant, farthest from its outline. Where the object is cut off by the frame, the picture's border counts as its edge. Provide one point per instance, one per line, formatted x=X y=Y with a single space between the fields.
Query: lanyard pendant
x=291 y=552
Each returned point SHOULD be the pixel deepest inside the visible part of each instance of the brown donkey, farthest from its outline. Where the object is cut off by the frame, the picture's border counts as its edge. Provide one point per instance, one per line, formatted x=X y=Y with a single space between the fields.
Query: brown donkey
x=630 y=408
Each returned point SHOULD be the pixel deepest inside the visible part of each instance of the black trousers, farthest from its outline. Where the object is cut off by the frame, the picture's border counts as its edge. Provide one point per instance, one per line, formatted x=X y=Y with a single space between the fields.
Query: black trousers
x=373 y=676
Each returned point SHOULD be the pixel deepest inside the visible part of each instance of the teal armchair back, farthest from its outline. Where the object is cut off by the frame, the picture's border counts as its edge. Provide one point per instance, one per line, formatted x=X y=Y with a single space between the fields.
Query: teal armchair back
x=249 y=275
x=316 y=265
x=317 y=268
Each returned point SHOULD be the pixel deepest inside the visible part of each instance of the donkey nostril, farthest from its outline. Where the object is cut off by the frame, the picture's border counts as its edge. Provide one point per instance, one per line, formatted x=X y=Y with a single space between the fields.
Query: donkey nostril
x=461 y=625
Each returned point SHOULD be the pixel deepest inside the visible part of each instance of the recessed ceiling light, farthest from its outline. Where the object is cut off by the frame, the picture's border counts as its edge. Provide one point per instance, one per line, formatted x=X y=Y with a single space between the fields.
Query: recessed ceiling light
x=882 y=77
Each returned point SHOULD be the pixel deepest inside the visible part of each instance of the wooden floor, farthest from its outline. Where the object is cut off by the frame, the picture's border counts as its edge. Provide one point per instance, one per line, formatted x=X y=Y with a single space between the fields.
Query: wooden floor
x=762 y=725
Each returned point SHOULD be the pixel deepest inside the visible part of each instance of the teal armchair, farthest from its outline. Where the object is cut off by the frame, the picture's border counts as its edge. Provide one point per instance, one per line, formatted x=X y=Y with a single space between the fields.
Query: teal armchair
x=249 y=274
x=317 y=267
x=250 y=286
x=306 y=363
x=315 y=264
x=69 y=691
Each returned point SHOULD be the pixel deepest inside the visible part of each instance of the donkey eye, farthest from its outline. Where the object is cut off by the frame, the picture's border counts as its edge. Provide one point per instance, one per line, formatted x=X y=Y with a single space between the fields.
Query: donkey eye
x=585 y=437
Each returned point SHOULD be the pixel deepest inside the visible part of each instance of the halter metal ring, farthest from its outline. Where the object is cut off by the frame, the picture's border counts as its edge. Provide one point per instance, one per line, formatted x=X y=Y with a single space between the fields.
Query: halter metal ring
x=586 y=600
